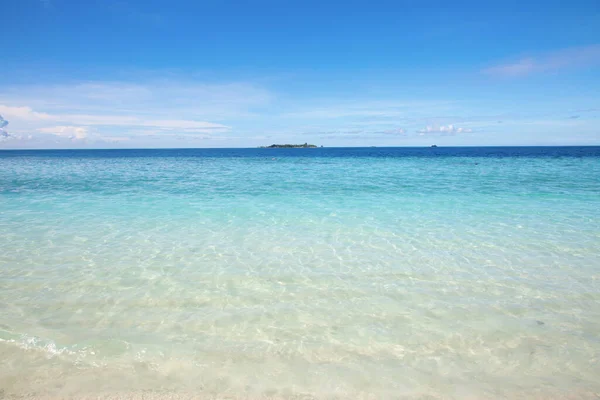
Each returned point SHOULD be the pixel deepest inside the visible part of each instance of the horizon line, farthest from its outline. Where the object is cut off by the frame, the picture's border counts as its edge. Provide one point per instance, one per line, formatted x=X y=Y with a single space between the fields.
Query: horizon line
x=267 y=148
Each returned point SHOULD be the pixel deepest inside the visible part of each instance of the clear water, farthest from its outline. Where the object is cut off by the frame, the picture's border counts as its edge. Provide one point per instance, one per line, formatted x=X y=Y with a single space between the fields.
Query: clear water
x=301 y=273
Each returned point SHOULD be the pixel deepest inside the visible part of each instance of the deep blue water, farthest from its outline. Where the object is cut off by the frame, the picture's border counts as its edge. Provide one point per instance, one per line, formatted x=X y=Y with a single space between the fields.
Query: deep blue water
x=325 y=152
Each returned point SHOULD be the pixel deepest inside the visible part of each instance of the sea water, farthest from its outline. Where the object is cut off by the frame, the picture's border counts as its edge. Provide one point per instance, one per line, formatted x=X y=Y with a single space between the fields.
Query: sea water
x=301 y=273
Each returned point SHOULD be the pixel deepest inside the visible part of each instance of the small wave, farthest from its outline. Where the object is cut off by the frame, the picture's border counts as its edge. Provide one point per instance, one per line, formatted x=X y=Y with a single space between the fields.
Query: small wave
x=45 y=346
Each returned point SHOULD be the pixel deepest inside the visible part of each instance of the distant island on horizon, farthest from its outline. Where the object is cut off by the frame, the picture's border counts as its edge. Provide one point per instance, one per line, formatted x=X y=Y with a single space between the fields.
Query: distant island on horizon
x=289 y=146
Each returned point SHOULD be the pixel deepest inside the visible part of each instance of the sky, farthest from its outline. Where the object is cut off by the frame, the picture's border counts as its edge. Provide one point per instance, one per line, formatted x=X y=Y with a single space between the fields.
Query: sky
x=183 y=73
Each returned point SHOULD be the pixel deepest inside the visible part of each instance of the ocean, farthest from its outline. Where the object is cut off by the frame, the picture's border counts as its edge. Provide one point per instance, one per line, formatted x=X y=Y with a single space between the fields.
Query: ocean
x=350 y=273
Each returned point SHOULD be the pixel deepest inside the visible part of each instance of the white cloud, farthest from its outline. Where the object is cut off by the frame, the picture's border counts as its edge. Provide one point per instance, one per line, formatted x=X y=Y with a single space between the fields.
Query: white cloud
x=553 y=61
x=30 y=118
x=449 y=129
x=71 y=132
x=399 y=131
x=133 y=121
x=25 y=113
x=159 y=99
x=123 y=109
x=4 y=135
x=517 y=68
x=3 y=122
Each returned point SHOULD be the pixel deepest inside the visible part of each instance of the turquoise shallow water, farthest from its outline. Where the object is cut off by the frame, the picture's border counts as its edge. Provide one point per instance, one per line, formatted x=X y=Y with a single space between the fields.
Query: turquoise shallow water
x=322 y=273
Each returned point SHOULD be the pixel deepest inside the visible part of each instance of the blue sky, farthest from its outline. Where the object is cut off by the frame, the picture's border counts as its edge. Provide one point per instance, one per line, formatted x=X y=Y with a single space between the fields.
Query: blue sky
x=131 y=73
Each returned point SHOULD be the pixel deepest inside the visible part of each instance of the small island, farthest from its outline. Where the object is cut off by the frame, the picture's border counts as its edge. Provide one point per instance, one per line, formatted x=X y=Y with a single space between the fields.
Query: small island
x=289 y=146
